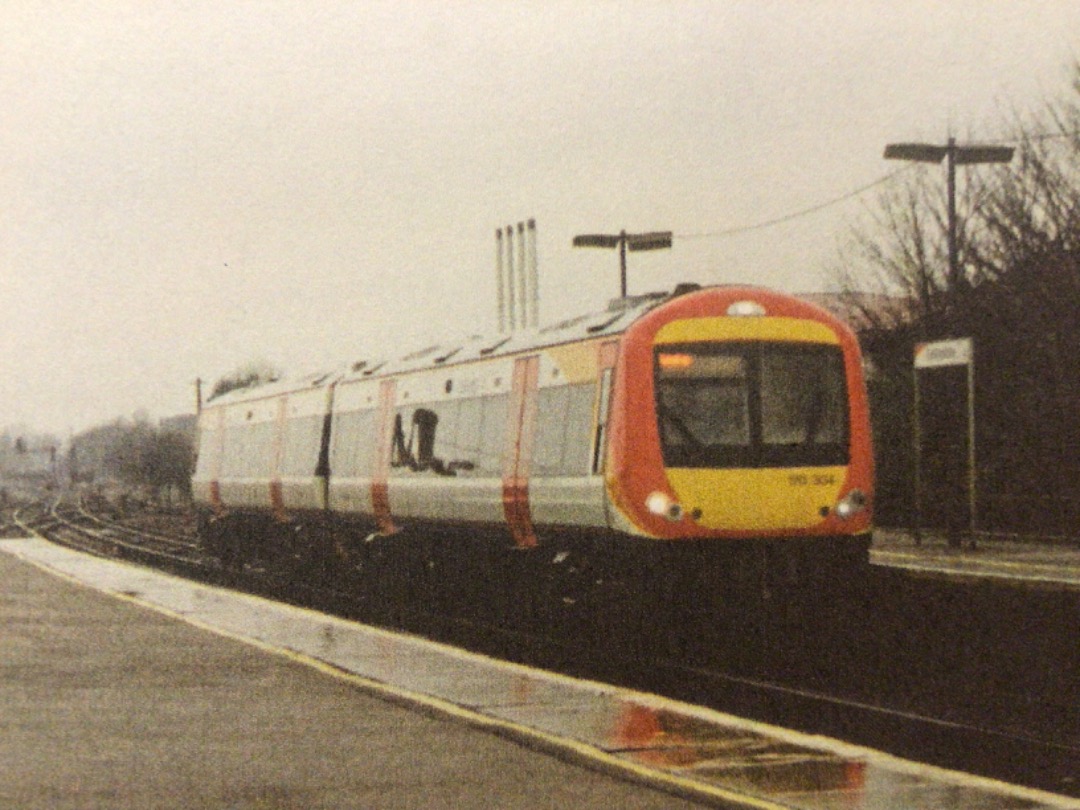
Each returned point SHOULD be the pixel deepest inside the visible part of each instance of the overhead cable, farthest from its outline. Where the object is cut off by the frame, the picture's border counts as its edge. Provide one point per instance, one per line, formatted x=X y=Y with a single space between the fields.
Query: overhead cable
x=796 y=214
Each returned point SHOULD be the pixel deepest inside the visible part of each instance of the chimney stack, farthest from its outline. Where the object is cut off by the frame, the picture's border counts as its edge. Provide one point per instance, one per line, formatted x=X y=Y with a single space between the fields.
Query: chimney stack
x=517 y=277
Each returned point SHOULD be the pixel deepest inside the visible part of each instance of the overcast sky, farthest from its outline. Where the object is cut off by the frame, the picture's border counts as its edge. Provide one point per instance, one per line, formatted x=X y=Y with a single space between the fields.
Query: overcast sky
x=189 y=187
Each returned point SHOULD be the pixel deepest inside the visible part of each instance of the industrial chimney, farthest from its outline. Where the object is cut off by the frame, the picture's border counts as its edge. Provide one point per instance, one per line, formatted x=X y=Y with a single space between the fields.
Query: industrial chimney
x=517 y=277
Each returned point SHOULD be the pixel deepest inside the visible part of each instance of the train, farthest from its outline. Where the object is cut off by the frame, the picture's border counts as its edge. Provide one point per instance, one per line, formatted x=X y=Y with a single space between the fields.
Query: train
x=702 y=446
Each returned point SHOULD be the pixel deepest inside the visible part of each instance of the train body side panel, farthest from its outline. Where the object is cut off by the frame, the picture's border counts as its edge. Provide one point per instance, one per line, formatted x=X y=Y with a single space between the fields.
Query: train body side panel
x=211 y=436
x=247 y=459
x=352 y=451
x=447 y=443
x=565 y=488
x=568 y=502
x=444 y=445
x=458 y=429
x=459 y=501
x=299 y=482
x=452 y=431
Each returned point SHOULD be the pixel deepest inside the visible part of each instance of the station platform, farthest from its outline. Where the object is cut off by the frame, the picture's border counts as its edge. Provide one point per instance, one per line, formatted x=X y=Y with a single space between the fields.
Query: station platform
x=123 y=687
x=1030 y=562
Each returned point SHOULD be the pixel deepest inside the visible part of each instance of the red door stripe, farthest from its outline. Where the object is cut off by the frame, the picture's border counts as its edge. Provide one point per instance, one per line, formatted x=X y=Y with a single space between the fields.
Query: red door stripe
x=520 y=436
x=277 y=498
x=380 y=476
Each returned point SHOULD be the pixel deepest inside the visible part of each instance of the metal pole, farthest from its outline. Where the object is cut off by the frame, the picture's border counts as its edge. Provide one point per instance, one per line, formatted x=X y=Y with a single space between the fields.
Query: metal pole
x=622 y=263
x=954 y=259
x=972 y=473
x=953 y=153
x=917 y=433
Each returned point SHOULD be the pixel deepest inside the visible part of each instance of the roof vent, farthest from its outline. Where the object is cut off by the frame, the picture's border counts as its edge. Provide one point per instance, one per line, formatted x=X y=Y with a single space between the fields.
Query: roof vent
x=685 y=287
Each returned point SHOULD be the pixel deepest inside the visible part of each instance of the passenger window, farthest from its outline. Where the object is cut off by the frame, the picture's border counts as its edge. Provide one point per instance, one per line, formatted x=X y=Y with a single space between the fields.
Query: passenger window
x=247 y=451
x=467 y=443
x=577 y=451
x=564 y=425
x=303 y=438
x=493 y=434
x=352 y=448
x=551 y=424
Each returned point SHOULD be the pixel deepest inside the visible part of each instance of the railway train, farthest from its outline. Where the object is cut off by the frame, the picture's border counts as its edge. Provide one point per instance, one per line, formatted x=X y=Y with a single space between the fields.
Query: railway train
x=693 y=446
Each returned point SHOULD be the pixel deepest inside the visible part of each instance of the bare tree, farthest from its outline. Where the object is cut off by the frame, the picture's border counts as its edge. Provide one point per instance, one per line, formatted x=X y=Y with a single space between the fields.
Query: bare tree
x=1017 y=293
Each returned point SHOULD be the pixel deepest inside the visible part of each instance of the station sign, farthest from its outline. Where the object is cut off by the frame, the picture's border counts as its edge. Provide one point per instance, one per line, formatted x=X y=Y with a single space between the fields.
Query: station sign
x=941 y=353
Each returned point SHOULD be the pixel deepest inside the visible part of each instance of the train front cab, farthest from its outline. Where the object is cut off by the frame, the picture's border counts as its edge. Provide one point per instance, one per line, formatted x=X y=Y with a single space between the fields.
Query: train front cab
x=740 y=433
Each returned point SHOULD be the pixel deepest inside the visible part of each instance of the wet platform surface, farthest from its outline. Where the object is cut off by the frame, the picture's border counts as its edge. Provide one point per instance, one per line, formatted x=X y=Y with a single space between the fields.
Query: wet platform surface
x=645 y=741
x=1049 y=564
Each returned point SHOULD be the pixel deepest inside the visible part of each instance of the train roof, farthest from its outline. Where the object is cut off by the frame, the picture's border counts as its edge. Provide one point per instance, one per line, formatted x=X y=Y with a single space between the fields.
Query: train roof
x=618 y=316
x=611 y=321
x=275 y=387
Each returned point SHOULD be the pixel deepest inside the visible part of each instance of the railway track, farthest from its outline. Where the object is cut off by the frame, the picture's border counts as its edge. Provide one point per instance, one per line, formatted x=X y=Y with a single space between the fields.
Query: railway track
x=784 y=689
x=1006 y=752
x=69 y=524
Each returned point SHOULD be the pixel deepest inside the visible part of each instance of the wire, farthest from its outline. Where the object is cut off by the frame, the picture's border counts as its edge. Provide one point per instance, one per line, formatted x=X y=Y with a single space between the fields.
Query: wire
x=795 y=214
x=843 y=198
x=1050 y=136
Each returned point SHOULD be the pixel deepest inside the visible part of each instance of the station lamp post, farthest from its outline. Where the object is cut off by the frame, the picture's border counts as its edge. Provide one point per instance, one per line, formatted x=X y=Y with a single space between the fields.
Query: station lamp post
x=624 y=241
x=954 y=155
x=955 y=352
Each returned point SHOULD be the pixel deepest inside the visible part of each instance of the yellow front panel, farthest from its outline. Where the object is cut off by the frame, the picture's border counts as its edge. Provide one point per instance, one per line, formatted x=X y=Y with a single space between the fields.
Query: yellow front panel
x=788 y=330
x=758 y=500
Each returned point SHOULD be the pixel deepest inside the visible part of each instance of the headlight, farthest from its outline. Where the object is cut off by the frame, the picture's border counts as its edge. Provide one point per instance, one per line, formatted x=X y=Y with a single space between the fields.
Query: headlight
x=660 y=504
x=851 y=504
x=745 y=308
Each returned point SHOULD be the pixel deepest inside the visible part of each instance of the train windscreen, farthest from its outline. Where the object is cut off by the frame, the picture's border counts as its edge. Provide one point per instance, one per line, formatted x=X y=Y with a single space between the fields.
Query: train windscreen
x=751 y=405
